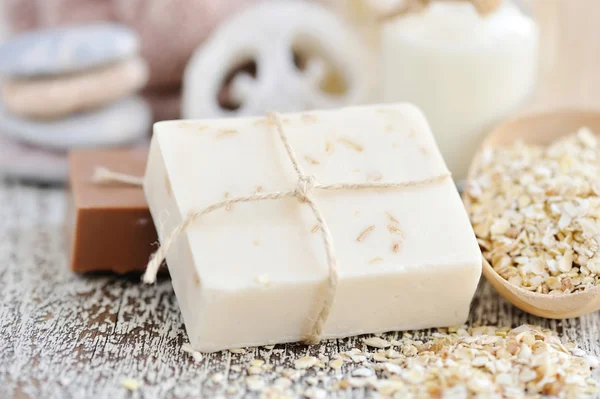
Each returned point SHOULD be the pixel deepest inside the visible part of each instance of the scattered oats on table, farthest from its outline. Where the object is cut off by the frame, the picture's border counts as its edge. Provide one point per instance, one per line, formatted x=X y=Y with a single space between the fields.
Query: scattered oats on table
x=458 y=362
x=130 y=384
x=536 y=213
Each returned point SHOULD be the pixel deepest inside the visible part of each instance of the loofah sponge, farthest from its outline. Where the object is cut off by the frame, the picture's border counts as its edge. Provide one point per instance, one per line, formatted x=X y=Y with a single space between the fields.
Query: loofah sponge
x=303 y=57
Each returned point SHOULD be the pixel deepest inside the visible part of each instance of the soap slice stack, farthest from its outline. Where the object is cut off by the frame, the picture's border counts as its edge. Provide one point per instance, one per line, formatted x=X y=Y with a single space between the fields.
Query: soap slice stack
x=67 y=88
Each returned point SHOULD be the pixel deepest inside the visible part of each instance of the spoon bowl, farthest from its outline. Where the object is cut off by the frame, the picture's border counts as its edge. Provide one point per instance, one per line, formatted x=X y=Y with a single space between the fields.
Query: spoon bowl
x=539 y=129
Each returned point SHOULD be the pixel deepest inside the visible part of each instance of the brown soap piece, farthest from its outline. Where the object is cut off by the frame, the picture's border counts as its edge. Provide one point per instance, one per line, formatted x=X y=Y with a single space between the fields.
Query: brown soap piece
x=109 y=226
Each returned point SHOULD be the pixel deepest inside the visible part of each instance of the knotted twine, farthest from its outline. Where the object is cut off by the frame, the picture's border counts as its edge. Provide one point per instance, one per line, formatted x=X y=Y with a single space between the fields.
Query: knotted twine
x=303 y=192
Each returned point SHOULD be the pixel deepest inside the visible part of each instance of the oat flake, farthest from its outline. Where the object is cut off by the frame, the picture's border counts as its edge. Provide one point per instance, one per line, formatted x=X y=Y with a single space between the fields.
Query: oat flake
x=536 y=213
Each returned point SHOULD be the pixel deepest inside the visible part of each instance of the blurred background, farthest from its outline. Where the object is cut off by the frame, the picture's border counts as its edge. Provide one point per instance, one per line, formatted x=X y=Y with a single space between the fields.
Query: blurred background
x=3 y=27
x=80 y=74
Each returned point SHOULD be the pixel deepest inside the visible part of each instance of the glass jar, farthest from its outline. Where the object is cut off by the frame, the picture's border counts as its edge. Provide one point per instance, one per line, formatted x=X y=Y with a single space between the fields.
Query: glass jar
x=464 y=70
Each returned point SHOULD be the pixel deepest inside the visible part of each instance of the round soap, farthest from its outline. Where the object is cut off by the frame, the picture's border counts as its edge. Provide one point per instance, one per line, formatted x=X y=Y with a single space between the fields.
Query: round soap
x=65 y=50
x=62 y=95
x=120 y=123
x=24 y=162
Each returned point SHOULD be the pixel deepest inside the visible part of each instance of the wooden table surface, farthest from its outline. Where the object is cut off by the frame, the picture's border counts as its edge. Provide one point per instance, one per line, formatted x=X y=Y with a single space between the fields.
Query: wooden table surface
x=64 y=335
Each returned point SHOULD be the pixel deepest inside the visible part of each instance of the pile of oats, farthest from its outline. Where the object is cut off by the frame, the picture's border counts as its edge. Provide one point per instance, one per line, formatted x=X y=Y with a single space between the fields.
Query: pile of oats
x=460 y=362
x=536 y=213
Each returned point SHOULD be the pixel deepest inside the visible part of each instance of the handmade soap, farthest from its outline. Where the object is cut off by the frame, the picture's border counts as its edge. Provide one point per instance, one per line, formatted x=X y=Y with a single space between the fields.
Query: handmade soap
x=109 y=226
x=66 y=49
x=62 y=95
x=256 y=273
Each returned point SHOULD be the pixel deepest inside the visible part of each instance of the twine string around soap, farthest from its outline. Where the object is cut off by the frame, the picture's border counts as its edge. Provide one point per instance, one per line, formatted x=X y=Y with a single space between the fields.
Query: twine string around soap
x=303 y=192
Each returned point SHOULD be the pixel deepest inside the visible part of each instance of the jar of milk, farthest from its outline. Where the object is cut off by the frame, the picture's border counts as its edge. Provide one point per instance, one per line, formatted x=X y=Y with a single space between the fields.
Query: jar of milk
x=466 y=71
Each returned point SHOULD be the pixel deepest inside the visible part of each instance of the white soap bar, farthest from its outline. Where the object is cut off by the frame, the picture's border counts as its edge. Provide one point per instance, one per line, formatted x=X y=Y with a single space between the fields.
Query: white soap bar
x=255 y=274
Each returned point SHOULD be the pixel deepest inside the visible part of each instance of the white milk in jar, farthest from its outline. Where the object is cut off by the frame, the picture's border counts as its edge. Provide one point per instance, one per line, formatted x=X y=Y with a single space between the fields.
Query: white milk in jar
x=464 y=70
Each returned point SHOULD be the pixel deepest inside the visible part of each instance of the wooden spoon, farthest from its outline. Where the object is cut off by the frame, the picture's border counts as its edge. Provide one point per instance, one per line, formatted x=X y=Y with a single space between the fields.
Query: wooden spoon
x=539 y=129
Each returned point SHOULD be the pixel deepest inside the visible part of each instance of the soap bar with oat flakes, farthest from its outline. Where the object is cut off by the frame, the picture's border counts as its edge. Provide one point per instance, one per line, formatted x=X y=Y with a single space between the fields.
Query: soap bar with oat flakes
x=255 y=273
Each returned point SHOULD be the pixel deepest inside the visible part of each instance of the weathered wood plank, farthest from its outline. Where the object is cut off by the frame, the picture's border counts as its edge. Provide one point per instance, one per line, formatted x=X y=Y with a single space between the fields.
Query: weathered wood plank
x=70 y=336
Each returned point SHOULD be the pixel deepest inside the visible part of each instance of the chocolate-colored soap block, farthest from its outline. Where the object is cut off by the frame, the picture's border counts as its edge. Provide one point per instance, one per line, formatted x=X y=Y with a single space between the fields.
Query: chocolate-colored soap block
x=109 y=226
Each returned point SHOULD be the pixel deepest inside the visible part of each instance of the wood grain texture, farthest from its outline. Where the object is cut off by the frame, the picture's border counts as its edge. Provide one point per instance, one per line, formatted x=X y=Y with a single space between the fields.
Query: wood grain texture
x=63 y=335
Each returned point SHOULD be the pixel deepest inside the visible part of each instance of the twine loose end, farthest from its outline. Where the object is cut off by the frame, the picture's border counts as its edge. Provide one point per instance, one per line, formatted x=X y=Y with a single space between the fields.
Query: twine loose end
x=104 y=175
x=101 y=175
x=149 y=276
